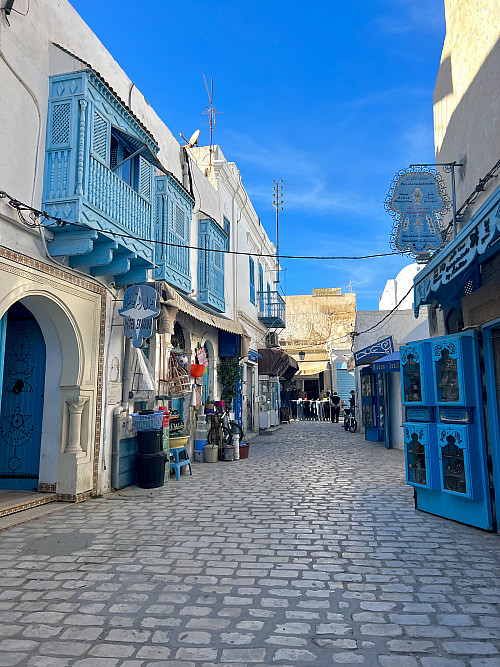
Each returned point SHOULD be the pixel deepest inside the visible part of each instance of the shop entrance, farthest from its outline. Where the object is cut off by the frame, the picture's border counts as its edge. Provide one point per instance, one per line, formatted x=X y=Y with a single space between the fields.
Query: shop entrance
x=311 y=387
x=23 y=357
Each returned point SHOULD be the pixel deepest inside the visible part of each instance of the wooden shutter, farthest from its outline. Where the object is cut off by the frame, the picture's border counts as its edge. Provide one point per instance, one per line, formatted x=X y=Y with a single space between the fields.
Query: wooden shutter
x=100 y=138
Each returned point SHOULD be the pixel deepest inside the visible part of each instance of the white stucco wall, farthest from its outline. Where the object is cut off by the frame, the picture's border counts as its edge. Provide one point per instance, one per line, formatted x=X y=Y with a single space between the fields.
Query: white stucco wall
x=467 y=95
x=396 y=288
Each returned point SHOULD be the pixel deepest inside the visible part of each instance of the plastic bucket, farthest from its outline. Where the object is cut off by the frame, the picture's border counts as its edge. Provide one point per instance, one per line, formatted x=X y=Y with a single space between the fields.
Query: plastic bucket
x=150 y=470
x=211 y=454
x=149 y=442
x=244 y=451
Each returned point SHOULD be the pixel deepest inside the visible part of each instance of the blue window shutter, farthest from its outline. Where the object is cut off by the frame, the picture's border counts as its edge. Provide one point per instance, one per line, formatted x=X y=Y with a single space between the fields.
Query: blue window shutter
x=252 y=280
x=144 y=178
x=227 y=229
x=261 y=288
x=100 y=141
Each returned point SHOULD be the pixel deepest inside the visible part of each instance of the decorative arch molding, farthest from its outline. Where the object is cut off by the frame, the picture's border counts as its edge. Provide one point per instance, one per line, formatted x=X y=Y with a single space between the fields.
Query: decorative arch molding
x=71 y=313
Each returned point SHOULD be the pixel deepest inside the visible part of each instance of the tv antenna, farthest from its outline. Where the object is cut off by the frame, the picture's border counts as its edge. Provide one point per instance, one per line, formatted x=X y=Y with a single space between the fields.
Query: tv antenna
x=212 y=115
x=350 y=285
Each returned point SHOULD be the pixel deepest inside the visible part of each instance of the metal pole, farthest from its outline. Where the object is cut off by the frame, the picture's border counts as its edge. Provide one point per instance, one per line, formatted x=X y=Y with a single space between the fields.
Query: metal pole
x=453 y=202
x=277 y=239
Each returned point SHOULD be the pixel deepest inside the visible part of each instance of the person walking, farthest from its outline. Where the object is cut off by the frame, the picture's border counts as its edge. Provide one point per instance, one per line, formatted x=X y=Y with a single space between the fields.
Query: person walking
x=335 y=407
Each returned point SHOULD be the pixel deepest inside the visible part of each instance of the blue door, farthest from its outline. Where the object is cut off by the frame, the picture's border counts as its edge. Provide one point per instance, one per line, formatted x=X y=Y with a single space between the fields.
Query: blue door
x=22 y=401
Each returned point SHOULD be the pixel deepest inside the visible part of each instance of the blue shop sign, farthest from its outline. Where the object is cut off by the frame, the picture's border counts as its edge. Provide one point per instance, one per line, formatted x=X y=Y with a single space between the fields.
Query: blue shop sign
x=140 y=308
x=253 y=356
x=416 y=200
x=373 y=352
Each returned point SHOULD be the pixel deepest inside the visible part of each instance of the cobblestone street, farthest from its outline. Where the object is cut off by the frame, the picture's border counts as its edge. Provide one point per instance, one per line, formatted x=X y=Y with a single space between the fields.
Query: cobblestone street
x=310 y=552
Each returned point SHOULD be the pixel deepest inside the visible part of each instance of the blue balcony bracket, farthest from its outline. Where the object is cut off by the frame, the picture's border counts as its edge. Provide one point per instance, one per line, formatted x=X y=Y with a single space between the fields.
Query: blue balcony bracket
x=98 y=178
x=172 y=222
x=272 y=310
x=212 y=240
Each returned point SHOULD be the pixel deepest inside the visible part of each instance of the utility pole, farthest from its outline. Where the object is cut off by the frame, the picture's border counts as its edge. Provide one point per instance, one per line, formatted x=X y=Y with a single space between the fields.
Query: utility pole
x=278 y=205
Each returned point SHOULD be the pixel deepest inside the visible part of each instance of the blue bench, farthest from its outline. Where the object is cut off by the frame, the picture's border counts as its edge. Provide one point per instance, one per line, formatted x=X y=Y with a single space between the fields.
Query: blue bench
x=181 y=458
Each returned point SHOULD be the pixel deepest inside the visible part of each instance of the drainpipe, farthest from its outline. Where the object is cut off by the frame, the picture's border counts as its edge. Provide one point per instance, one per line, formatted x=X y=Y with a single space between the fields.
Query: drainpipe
x=119 y=415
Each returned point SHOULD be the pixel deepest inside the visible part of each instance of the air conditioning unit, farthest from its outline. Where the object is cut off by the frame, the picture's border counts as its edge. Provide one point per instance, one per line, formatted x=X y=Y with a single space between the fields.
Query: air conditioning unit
x=272 y=339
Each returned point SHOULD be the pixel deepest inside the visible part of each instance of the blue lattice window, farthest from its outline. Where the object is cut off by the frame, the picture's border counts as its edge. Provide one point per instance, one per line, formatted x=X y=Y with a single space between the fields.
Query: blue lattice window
x=61 y=118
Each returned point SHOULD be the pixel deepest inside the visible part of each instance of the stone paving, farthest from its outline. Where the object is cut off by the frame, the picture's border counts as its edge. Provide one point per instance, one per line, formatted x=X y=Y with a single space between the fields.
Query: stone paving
x=307 y=553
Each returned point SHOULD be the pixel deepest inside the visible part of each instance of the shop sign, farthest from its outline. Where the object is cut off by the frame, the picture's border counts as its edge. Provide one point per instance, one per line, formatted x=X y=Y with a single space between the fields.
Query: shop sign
x=140 y=308
x=372 y=352
x=459 y=259
x=327 y=291
x=417 y=200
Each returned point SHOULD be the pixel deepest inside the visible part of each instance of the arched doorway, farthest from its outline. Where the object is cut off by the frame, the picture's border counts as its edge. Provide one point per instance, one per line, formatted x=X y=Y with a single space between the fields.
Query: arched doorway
x=23 y=353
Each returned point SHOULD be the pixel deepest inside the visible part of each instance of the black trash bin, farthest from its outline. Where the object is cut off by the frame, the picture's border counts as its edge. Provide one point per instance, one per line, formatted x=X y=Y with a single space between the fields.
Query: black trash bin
x=150 y=442
x=150 y=470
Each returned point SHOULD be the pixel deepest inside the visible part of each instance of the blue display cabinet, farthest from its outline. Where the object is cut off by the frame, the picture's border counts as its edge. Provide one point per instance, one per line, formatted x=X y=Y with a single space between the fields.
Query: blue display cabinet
x=445 y=444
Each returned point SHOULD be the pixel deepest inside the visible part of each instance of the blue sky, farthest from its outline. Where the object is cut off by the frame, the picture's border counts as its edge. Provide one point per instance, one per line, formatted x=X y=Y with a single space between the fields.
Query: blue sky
x=332 y=97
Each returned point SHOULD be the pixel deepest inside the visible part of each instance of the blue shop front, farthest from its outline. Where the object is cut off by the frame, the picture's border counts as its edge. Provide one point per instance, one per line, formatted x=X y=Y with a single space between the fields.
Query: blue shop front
x=451 y=382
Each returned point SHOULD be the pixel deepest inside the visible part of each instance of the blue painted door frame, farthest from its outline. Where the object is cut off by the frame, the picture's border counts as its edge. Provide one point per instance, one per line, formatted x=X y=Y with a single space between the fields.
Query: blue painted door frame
x=491 y=349
x=22 y=401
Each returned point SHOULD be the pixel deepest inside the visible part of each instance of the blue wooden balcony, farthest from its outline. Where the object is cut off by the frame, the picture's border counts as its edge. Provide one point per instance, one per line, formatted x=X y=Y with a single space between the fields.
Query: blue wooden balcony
x=98 y=179
x=272 y=310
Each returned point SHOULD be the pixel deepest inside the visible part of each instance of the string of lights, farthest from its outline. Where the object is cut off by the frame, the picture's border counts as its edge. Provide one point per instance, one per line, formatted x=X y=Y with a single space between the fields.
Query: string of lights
x=43 y=215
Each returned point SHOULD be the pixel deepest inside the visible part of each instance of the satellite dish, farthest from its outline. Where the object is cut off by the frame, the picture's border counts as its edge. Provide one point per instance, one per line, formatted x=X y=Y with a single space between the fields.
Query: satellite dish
x=193 y=141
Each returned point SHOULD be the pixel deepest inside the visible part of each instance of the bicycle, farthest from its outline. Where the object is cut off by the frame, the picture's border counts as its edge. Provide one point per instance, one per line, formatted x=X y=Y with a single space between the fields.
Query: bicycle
x=224 y=430
x=350 y=423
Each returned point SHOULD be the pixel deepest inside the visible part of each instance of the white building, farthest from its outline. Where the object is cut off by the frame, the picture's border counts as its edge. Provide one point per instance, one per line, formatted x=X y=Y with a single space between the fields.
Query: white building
x=80 y=142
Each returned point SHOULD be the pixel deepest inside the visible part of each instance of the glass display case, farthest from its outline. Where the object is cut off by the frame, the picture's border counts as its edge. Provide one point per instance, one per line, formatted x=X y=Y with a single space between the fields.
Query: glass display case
x=454 y=460
x=448 y=364
x=367 y=415
x=416 y=441
x=448 y=390
x=411 y=358
x=264 y=396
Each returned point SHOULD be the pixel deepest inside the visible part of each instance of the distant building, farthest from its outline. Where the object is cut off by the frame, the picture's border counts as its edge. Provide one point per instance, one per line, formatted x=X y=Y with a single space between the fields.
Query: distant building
x=318 y=335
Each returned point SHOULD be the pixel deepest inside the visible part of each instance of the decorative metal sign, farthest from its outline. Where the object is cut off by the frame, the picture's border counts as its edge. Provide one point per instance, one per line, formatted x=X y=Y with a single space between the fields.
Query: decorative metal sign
x=417 y=200
x=140 y=308
x=374 y=351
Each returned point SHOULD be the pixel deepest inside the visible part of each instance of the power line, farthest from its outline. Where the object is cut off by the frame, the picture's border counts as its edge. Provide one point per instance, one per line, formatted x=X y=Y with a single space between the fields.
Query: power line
x=389 y=314
x=20 y=206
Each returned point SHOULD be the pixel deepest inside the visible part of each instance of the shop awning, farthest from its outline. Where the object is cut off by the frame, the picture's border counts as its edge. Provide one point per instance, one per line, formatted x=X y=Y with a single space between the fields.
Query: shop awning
x=387 y=364
x=367 y=355
x=171 y=298
x=311 y=367
x=276 y=362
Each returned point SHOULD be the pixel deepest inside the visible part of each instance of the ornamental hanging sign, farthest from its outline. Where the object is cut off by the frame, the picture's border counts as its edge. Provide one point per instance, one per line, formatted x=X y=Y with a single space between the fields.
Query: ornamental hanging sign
x=140 y=308
x=417 y=201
